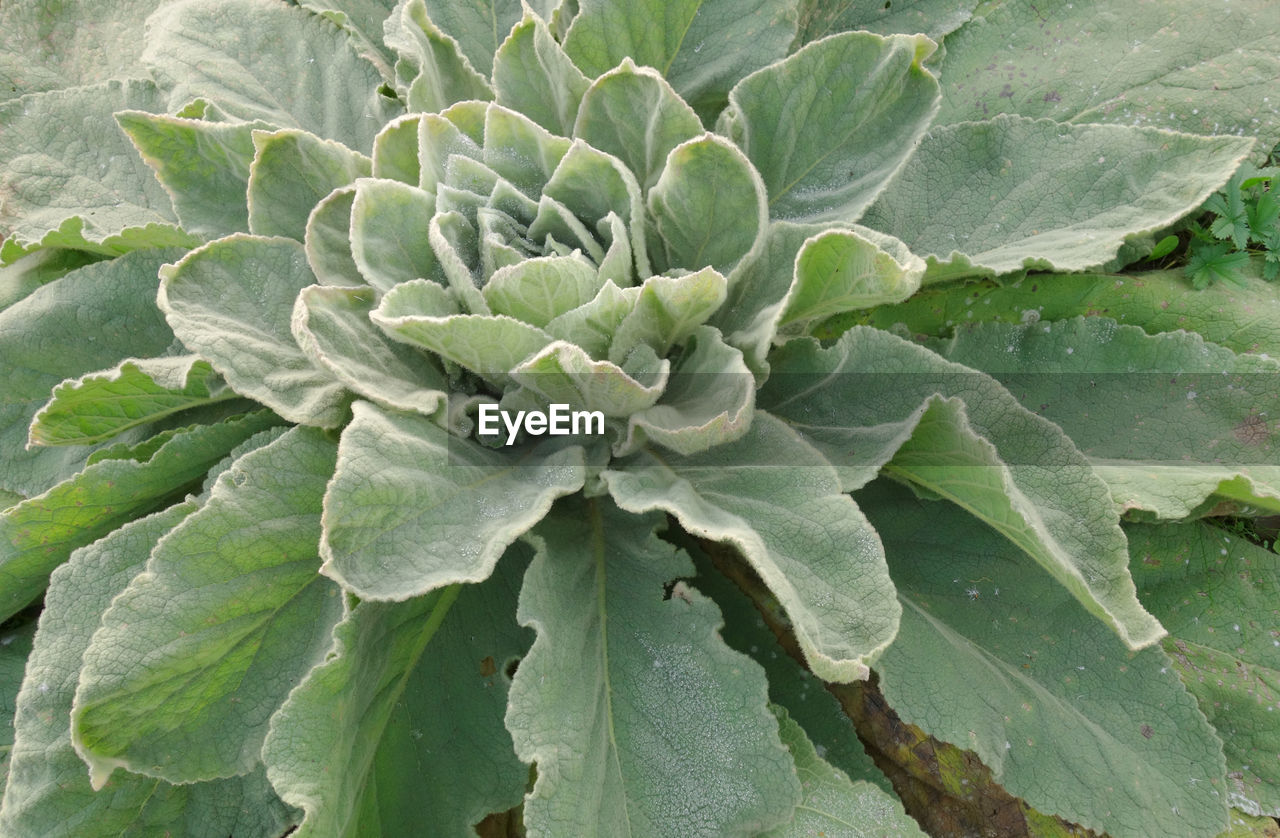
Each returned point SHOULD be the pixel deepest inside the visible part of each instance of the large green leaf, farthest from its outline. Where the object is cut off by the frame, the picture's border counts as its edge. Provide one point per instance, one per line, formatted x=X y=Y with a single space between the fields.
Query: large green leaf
x=203 y=166
x=293 y=171
x=1202 y=66
x=1166 y=419
x=532 y=74
x=829 y=126
x=231 y=302
x=641 y=721
x=194 y=656
x=873 y=397
x=89 y=319
x=1029 y=193
x=101 y=405
x=233 y=51
x=834 y=805
x=934 y=18
x=49 y=792
x=119 y=484
x=708 y=206
x=412 y=508
x=1218 y=595
x=46 y=46
x=1243 y=317
x=21 y=279
x=410 y=704
x=388 y=233
x=634 y=114
x=995 y=657
x=332 y=326
x=364 y=20
x=86 y=189
x=806 y=540
x=703 y=47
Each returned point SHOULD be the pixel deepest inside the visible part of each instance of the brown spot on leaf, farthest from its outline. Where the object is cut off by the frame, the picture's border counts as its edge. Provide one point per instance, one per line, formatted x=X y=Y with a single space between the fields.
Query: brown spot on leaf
x=488 y=667
x=1252 y=430
x=1052 y=96
x=1146 y=731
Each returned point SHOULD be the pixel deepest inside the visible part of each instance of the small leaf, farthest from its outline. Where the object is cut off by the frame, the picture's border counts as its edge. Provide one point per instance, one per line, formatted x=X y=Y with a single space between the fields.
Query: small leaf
x=539 y=290
x=632 y=113
x=650 y=732
x=532 y=74
x=806 y=539
x=412 y=509
x=564 y=373
x=101 y=405
x=490 y=346
x=708 y=206
x=327 y=241
x=231 y=302
x=1210 y=263
x=829 y=126
x=291 y=172
x=478 y=28
x=1163 y=247
x=668 y=310
x=332 y=327
x=194 y=656
x=389 y=223
x=411 y=702
x=592 y=325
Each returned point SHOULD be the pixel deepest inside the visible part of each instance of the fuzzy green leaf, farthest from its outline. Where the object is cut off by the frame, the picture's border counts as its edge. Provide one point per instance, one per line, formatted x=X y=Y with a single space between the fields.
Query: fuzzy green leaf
x=667 y=310
x=539 y=290
x=15 y=650
x=231 y=302
x=935 y=18
x=828 y=127
x=1217 y=594
x=85 y=189
x=389 y=221
x=479 y=28
x=232 y=52
x=411 y=705
x=532 y=74
x=432 y=72
x=89 y=319
x=708 y=206
x=119 y=484
x=703 y=47
x=48 y=792
x=834 y=805
x=995 y=657
x=873 y=397
x=412 y=508
x=332 y=326
x=639 y=718
x=1201 y=66
x=291 y=172
x=101 y=405
x=1166 y=419
x=634 y=114
x=203 y=166
x=194 y=656
x=564 y=373
x=988 y=179
x=21 y=279
x=806 y=540
x=71 y=44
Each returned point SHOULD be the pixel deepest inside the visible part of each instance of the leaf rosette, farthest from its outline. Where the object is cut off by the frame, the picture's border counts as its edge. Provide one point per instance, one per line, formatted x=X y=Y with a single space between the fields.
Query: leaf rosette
x=434 y=221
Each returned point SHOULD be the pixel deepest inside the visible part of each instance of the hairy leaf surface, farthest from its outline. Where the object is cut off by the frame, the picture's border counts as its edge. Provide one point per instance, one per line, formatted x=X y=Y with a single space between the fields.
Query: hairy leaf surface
x=194 y=656
x=1065 y=716
x=638 y=717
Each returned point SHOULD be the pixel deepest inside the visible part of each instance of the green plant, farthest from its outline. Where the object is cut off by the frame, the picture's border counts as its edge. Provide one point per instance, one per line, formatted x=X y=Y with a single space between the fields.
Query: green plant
x=270 y=266
x=1246 y=213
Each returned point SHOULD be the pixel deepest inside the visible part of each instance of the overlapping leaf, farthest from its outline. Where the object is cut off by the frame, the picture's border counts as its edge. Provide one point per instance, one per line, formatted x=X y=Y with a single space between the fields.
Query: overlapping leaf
x=1066 y=717
x=650 y=734
x=194 y=656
